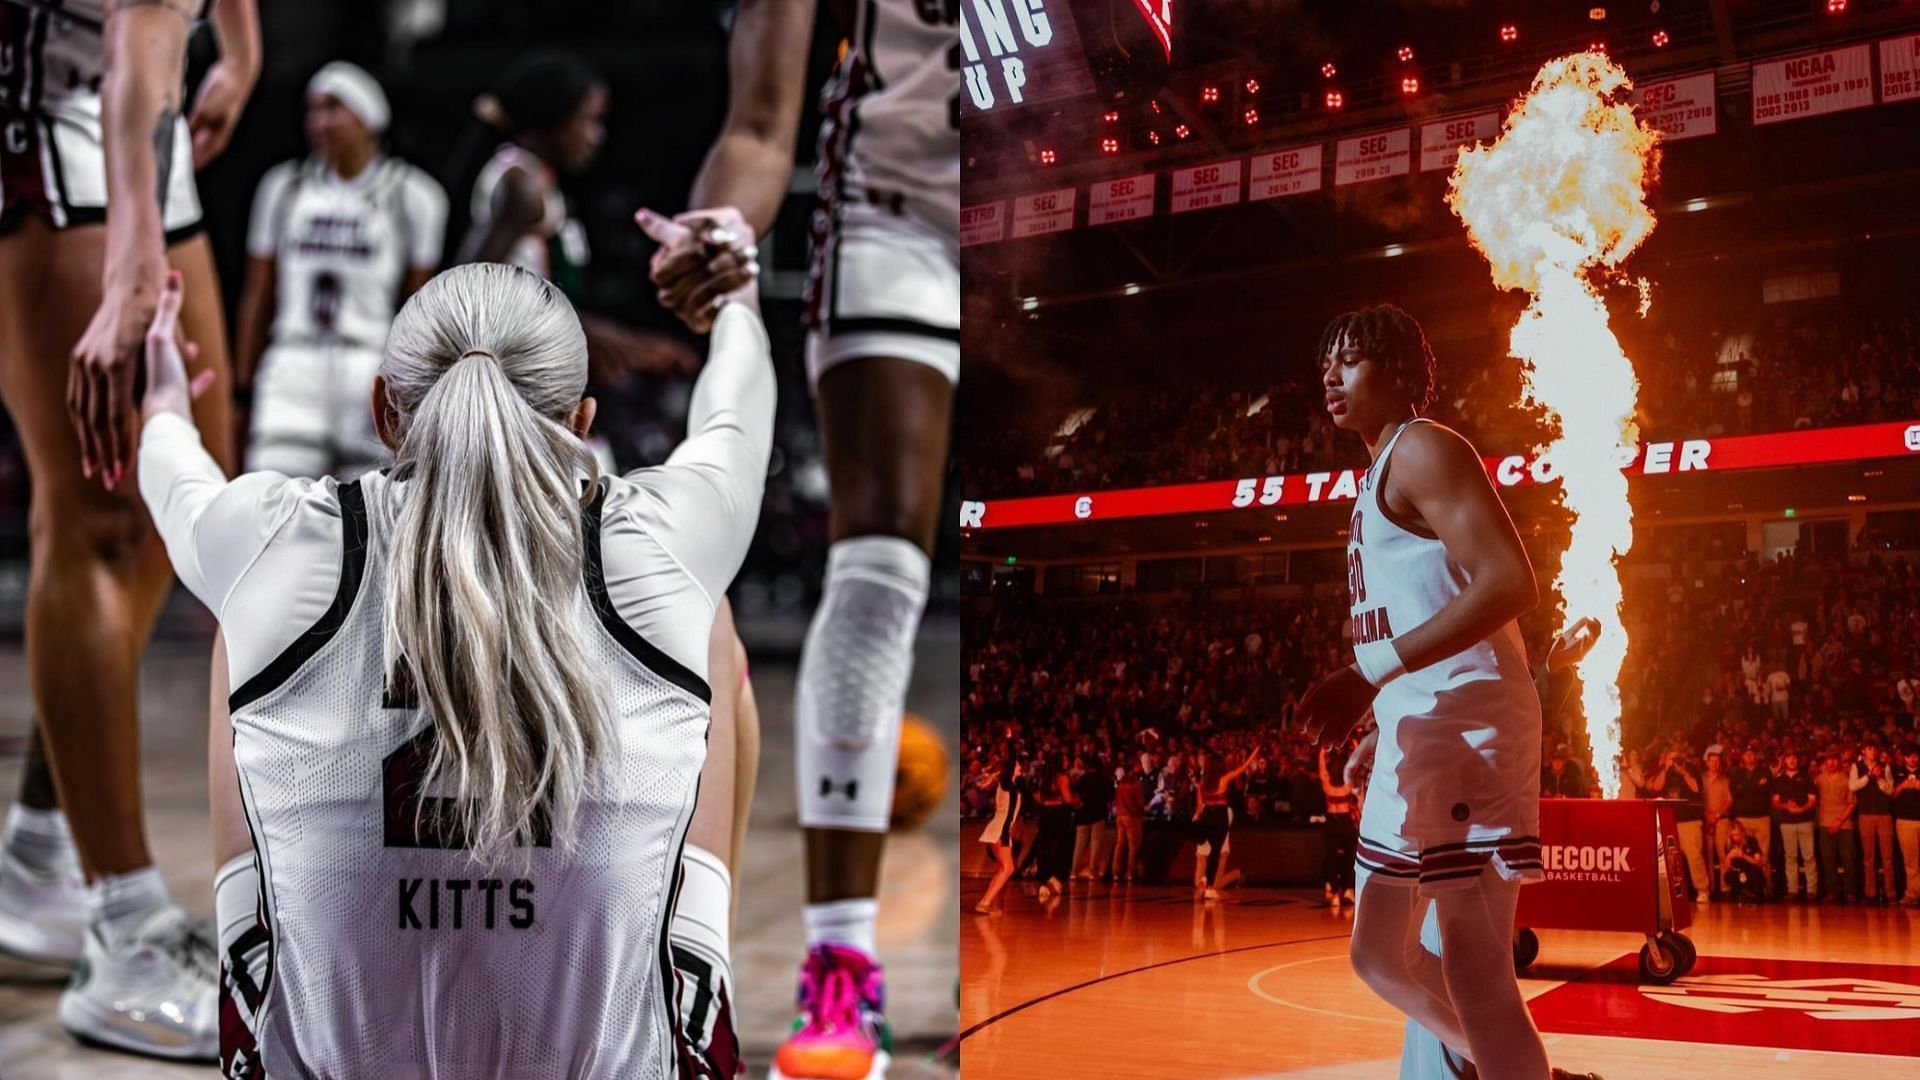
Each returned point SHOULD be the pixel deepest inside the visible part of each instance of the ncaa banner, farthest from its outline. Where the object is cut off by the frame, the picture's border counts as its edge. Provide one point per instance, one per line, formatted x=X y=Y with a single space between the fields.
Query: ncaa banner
x=1440 y=141
x=1812 y=84
x=1682 y=108
x=983 y=224
x=1047 y=212
x=1375 y=156
x=1900 y=69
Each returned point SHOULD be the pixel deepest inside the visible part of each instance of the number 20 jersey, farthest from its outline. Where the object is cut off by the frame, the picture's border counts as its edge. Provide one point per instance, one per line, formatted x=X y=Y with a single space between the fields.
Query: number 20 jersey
x=392 y=952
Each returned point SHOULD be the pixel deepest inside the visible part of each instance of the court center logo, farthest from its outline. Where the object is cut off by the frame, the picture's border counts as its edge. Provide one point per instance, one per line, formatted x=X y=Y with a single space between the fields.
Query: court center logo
x=1839 y=998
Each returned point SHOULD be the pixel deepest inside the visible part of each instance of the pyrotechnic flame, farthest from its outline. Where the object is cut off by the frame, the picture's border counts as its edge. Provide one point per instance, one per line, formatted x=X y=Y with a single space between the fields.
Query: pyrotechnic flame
x=1561 y=194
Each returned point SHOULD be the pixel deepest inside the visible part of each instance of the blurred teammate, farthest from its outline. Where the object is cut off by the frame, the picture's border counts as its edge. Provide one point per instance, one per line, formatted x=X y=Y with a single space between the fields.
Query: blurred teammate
x=1437 y=576
x=337 y=242
x=96 y=202
x=883 y=356
x=549 y=115
x=427 y=657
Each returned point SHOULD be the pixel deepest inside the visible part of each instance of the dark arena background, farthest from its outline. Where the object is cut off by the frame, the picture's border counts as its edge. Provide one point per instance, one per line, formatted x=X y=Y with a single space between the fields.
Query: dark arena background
x=1159 y=220
x=665 y=64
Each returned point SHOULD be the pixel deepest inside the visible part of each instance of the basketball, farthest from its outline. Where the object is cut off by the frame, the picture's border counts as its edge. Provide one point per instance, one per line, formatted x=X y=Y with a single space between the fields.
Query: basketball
x=920 y=780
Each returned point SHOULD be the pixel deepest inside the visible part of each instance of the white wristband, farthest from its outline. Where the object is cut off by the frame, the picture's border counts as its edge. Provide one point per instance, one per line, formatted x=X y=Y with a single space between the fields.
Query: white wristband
x=1379 y=662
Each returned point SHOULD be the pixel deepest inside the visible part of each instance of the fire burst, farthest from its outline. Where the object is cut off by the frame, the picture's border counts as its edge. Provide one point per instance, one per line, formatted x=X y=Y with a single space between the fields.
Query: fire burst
x=1560 y=195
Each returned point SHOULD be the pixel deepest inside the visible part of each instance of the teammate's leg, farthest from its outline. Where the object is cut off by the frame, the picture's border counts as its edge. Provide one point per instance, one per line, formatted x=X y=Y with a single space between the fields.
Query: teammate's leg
x=701 y=932
x=42 y=895
x=1388 y=957
x=1003 y=860
x=1476 y=955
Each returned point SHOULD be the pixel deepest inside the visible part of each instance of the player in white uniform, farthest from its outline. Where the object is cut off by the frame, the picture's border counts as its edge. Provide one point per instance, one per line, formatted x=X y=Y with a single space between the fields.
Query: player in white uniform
x=1437 y=577
x=883 y=356
x=468 y=752
x=337 y=242
x=96 y=201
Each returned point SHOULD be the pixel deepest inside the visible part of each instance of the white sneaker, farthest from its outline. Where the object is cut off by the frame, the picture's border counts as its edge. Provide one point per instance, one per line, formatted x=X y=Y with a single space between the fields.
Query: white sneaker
x=154 y=995
x=1211 y=894
x=41 y=919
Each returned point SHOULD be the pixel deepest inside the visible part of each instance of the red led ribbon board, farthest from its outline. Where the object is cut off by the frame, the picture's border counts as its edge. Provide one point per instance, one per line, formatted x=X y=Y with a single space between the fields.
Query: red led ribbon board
x=1854 y=1008
x=1726 y=454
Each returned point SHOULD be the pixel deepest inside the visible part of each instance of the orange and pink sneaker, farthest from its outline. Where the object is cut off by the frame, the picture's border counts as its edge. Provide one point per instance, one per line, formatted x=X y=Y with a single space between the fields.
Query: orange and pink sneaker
x=841 y=1032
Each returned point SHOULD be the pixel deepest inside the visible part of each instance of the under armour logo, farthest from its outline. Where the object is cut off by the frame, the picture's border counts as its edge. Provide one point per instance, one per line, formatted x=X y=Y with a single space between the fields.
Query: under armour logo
x=851 y=787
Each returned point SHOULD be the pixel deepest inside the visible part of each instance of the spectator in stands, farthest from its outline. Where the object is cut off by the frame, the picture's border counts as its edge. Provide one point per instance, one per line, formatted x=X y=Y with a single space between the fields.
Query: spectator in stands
x=1562 y=777
x=1676 y=781
x=1839 y=859
x=1906 y=818
x=1633 y=777
x=1129 y=820
x=1793 y=801
x=1744 y=868
x=1716 y=791
x=1053 y=794
x=1092 y=842
x=1872 y=785
x=1752 y=788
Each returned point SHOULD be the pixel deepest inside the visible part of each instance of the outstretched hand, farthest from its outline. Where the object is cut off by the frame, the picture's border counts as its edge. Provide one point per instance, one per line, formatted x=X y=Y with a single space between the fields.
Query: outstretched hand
x=706 y=258
x=1335 y=705
x=169 y=389
x=1573 y=644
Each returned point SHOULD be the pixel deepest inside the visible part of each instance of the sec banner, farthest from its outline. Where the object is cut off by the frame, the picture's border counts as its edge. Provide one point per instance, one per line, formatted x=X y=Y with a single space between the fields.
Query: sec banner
x=1293 y=171
x=1812 y=84
x=1374 y=156
x=1125 y=199
x=1440 y=141
x=1206 y=186
x=1047 y=212
x=983 y=224
x=1682 y=108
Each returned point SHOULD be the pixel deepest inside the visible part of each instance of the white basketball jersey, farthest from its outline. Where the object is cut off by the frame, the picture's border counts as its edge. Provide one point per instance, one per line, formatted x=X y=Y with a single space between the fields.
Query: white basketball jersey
x=392 y=953
x=70 y=50
x=342 y=246
x=1459 y=748
x=891 y=116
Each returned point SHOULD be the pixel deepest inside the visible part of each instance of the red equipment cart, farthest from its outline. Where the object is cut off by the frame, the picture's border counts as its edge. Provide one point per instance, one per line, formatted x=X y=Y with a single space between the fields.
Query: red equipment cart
x=1612 y=864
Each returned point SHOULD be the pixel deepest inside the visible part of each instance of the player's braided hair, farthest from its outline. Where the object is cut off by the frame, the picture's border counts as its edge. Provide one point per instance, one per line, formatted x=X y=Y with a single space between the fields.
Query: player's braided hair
x=1393 y=339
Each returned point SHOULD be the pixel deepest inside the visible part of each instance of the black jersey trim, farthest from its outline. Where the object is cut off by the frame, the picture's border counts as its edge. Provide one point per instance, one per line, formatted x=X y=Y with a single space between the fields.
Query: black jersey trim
x=649 y=655
x=891 y=325
x=353 y=566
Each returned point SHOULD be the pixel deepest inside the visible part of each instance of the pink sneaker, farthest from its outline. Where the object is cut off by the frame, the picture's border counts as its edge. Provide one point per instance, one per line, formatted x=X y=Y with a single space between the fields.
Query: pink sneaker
x=841 y=1032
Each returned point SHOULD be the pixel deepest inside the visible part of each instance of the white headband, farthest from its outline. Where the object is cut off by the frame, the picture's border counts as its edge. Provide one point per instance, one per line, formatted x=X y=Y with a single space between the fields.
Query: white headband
x=355 y=89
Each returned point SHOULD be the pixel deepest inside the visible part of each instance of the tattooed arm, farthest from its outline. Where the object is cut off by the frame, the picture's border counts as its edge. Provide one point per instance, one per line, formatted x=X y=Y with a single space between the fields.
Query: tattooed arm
x=145 y=54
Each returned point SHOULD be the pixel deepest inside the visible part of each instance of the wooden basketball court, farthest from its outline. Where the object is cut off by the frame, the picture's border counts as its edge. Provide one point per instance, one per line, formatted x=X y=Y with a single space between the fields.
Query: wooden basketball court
x=1142 y=982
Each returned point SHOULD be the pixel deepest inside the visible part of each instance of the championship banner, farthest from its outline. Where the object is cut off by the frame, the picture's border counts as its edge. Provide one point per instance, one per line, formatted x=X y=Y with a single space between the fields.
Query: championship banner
x=983 y=224
x=1125 y=199
x=1440 y=141
x=1812 y=84
x=1373 y=157
x=1293 y=171
x=1900 y=69
x=1204 y=187
x=1682 y=108
x=1728 y=454
x=1047 y=212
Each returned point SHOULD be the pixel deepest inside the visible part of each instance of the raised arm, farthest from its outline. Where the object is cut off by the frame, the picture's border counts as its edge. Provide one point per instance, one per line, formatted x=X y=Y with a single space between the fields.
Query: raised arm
x=224 y=92
x=751 y=162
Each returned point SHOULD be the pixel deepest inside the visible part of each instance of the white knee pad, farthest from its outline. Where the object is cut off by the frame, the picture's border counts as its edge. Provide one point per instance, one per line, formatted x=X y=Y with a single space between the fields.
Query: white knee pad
x=702 y=961
x=853 y=682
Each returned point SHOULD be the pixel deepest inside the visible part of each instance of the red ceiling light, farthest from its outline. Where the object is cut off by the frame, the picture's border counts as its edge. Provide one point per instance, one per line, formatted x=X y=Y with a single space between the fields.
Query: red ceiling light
x=1597 y=14
x=1409 y=86
x=1406 y=54
x=1048 y=157
x=1209 y=95
x=1153 y=137
x=1328 y=71
x=1836 y=7
x=1182 y=130
x=1154 y=105
x=1659 y=39
x=1597 y=46
x=1509 y=34
x=1113 y=118
x=1335 y=100
x=1109 y=145
x=1253 y=86
x=1251 y=116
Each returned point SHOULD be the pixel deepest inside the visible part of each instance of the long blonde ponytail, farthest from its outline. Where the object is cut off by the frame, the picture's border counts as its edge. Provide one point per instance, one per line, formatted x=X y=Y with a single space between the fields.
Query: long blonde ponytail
x=483 y=367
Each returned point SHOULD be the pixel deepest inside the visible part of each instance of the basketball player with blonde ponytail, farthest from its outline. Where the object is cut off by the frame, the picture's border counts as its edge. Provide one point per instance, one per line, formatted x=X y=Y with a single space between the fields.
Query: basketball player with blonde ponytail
x=471 y=698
